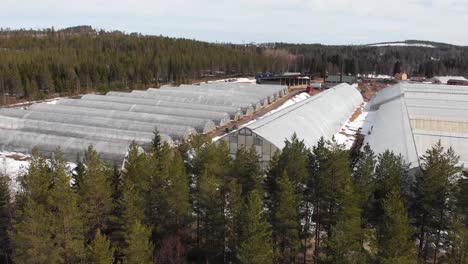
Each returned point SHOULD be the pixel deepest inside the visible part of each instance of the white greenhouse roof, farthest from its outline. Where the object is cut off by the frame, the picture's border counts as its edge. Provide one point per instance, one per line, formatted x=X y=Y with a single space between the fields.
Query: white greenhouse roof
x=410 y=118
x=319 y=116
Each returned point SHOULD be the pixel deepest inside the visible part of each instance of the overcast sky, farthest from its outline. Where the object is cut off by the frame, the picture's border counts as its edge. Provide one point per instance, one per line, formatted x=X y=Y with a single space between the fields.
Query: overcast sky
x=245 y=21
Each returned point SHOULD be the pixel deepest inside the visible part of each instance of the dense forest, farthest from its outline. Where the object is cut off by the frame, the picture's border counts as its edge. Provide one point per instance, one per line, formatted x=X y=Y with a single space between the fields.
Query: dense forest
x=426 y=59
x=81 y=59
x=43 y=63
x=197 y=204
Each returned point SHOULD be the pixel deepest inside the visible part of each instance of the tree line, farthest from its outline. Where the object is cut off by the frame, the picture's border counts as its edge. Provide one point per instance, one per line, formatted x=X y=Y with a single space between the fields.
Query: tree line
x=40 y=63
x=442 y=59
x=197 y=204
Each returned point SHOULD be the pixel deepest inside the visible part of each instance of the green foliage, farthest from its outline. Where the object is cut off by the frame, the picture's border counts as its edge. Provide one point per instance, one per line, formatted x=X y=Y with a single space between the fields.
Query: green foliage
x=394 y=234
x=435 y=198
x=48 y=226
x=5 y=219
x=95 y=193
x=255 y=246
x=139 y=249
x=73 y=63
x=344 y=245
x=100 y=250
x=285 y=223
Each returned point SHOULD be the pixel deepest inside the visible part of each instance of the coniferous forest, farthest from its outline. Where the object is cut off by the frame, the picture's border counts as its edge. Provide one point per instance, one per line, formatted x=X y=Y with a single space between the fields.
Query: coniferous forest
x=197 y=204
x=35 y=64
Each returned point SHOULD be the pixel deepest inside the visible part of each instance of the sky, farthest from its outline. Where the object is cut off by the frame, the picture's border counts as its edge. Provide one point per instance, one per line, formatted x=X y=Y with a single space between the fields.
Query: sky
x=333 y=22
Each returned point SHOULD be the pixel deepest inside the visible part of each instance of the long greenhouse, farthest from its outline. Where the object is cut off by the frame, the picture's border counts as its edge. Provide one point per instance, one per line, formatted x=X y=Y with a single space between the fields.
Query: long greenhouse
x=113 y=121
x=319 y=116
x=411 y=118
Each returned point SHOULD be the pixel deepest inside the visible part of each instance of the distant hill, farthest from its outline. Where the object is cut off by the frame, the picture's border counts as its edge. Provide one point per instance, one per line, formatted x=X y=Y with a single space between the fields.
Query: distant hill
x=418 y=58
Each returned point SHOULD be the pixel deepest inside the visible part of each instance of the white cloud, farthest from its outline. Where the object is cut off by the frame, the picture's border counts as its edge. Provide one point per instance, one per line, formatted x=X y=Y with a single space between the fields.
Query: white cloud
x=326 y=21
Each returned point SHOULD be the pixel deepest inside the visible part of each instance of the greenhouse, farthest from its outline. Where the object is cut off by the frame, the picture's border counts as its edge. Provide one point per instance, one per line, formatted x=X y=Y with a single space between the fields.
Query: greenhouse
x=202 y=125
x=245 y=107
x=130 y=103
x=319 y=116
x=176 y=132
x=411 y=118
x=257 y=99
x=79 y=131
x=111 y=122
x=112 y=151
x=261 y=97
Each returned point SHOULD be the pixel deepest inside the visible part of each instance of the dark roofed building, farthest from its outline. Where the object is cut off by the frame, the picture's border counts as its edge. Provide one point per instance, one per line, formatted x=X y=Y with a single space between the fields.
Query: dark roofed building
x=332 y=80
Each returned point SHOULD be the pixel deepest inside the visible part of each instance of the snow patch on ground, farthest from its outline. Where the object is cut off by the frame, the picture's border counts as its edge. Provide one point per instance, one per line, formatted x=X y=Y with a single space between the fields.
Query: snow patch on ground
x=13 y=165
x=234 y=80
x=296 y=99
x=363 y=124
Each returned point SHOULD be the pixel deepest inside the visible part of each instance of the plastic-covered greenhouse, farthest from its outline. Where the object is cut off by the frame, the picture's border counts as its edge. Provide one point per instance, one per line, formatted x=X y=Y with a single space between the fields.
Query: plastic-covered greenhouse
x=202 y=125
x=246 y=108
x=129 y=104
x=113 y=151
x=79 y=131
x=111 y=122
x=177 y=132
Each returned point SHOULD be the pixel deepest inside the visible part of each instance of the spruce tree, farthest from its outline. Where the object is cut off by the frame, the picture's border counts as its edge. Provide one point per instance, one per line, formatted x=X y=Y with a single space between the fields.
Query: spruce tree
x=285 y=223
x=139 y=248
x=394 y=233
x=100 y=250
x=255 y=245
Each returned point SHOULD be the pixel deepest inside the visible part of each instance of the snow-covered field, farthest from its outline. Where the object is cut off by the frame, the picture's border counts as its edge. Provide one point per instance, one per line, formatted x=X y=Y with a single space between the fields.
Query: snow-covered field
x=402 y=44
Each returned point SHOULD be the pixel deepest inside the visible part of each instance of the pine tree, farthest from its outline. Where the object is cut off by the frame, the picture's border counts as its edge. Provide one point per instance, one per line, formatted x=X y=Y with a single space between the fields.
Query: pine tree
x=458 y=236
x=100 y=250
x=48 y=227
x=394 y=233
x=5 y=220
x=247 y=170
x=435 y=196
x=285 y=225
x=31 y=230
x=255 y=245
x=67 y=225
x=344 y=246
x=139 y=249
x=95 y=193
x=177 y=194
x=391 y=172
x=397 y=68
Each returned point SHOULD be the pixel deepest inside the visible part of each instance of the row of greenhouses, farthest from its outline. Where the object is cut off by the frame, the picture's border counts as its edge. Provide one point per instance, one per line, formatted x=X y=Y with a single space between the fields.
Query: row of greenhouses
x=113 y=121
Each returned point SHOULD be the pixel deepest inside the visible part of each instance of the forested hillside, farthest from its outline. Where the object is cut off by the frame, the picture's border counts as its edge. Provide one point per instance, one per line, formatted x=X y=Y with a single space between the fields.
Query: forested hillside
x=417 y=58
x=76 y=60
x=41 y=63
x=197 y=204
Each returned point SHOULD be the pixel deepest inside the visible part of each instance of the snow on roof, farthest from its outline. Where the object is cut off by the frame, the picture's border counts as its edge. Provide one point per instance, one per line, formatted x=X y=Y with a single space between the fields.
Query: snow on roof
x=410 y=118
x=319 y=116
x=445 y=79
